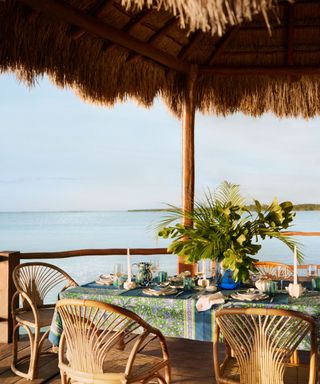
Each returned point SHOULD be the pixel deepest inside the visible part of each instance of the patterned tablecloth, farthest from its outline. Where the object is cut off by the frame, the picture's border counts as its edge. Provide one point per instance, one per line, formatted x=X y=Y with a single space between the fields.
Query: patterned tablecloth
x=177 y=316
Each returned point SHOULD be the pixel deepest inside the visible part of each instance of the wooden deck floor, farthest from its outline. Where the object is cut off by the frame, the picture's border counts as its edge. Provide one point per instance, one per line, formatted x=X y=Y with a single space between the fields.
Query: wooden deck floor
x=192 y=363
x=191 y=360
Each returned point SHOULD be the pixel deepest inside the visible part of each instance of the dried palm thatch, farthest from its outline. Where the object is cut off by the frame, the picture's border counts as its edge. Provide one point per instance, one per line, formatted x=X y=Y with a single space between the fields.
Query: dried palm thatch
x=107 y=51
x=212 y=16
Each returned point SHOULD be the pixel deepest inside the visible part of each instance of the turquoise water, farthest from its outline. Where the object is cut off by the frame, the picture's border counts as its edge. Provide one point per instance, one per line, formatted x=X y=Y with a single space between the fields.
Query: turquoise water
x=59 y=231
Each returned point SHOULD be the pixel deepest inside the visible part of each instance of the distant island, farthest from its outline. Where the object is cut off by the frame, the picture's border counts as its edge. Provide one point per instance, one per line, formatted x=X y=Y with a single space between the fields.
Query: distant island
x=297 y=207
x=307 y=207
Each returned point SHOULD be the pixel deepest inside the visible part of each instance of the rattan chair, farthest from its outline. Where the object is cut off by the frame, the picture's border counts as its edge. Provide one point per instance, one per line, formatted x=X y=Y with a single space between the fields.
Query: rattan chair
x=274 y=270
x=262 y=341
x=89 y=350
x=33 y=282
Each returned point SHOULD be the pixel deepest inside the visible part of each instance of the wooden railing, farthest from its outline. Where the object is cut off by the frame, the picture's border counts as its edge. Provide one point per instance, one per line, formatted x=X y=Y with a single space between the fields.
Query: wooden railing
x=9 y=260
x=94 y=252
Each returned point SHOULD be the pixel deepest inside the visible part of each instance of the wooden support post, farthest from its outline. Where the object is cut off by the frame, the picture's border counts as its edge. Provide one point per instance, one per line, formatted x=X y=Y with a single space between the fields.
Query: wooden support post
x=188 y=169
x=8 y=261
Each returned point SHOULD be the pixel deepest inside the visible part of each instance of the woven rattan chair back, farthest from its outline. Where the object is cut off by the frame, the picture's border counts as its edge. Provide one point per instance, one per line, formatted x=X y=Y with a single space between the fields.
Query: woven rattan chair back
x=92 y=333
x=274 y=270
x=36 y=280
x=262 y=341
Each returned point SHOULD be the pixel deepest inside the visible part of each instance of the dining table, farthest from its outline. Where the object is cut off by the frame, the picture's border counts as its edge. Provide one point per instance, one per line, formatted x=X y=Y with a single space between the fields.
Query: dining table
x=177 y=315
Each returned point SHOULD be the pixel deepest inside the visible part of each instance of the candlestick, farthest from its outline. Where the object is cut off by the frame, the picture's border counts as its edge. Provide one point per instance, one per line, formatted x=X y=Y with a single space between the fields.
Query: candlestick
x=295 y=267
x=129 y=265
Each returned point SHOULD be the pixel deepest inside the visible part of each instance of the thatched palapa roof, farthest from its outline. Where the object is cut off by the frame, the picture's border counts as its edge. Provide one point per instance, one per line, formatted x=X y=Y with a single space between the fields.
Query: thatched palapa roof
x=109 y=50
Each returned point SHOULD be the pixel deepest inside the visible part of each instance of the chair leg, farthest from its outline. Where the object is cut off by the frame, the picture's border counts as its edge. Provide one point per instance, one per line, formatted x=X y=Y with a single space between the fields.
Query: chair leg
x=63 y=377
x=294 y=359
x=34 y=352
x=34 y=356
x=167 y=374
x=15 y=338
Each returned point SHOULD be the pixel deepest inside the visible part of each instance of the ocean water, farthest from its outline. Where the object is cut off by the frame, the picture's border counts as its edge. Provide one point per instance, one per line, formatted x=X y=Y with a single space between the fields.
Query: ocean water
x=61 y=231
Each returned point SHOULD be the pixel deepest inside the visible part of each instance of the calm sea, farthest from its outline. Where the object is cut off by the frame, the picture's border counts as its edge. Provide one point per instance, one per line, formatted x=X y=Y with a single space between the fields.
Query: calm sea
x=59 y=231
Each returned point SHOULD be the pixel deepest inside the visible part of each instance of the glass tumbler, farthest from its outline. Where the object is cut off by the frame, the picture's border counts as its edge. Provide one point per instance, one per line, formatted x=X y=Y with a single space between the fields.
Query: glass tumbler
x=317 y=280
x=312 y=270
x=118 y=269
x=163 y=277
x=188 y=284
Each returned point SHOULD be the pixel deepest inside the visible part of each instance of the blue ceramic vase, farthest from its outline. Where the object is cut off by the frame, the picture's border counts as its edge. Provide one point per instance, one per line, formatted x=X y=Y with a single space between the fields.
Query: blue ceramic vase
x=227 y=281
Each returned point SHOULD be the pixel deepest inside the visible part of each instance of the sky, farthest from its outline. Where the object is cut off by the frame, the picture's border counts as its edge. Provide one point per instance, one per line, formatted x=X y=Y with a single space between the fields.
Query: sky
x=59 y=153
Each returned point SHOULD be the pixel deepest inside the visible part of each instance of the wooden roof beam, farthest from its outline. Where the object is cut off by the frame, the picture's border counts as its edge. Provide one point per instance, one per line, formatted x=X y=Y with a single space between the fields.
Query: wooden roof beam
x=163 y=30
x=128 y=27
x=90 y=24
x=284 y=70
x=290 y=34
x=159 y=33
x=97 y=11
x=188 y=47
x=222 y=44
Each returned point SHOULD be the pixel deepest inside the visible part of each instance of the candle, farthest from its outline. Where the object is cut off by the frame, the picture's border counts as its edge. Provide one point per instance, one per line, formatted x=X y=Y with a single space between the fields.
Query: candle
x=129 y=265
x=221 y=268
x=295 y=267
x=204 y=268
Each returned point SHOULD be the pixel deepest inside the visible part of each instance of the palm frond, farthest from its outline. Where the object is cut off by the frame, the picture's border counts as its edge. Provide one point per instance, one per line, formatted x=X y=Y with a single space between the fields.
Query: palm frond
x=289 y=242
x=229 y=193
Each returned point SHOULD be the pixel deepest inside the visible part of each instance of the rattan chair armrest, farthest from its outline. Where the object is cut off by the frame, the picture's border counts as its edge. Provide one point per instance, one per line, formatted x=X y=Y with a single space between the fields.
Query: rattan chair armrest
x=134 y=351
x=72 y=283
x=14 y=310
x=33 y=307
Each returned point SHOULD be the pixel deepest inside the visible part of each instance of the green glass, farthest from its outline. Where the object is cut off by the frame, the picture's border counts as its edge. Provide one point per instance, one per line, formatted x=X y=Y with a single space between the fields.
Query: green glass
x=271 y=287
x=317 y=281
x=274 y=287
x=163 y=276
x=188 y=284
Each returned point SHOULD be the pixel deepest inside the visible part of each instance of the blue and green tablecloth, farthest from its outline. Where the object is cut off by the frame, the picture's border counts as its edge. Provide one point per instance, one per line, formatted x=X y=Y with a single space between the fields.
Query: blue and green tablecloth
x=178 y=316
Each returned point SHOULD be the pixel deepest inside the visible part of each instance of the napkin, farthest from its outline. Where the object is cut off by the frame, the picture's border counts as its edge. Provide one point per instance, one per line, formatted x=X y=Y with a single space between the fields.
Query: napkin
x=207 y=301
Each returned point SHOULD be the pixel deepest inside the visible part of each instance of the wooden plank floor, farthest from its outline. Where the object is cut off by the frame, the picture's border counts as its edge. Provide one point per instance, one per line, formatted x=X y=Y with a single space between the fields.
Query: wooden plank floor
x=192 y=363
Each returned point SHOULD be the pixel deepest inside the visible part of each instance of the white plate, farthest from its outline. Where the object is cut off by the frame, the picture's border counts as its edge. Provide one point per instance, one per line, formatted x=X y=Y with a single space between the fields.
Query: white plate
x=104 y=282
x=249 y=297
x=161 y=292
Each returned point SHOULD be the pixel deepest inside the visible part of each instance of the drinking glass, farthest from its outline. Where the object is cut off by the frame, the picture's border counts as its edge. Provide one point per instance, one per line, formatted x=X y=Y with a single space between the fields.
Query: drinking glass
x=118 y=269
x=268 y=286
x=317 y=280
x=271 y=287
x=163 y=277
x=188 y=284
x=155 y=267
x=312 y=270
